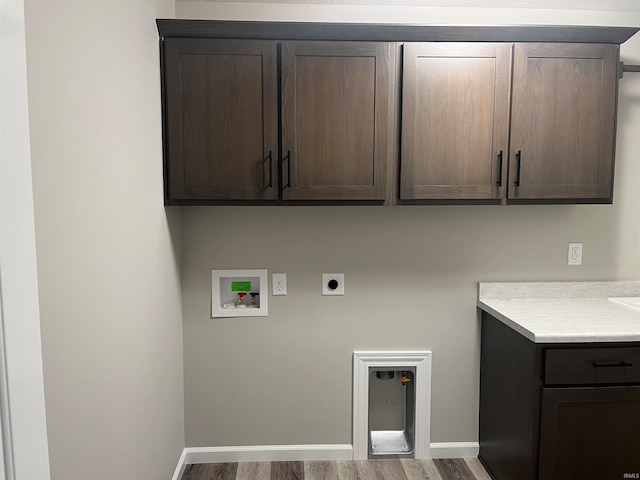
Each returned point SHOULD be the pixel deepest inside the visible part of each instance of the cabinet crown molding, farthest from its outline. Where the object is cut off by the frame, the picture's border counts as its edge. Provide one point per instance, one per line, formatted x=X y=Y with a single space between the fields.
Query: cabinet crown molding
x=392 y=32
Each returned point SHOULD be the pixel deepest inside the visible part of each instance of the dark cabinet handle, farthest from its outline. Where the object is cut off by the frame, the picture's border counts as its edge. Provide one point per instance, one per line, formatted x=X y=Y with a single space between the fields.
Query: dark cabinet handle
x=499 y=182
x=288 y=158
x=611 y=364
x=270 y=163
x=519 y=162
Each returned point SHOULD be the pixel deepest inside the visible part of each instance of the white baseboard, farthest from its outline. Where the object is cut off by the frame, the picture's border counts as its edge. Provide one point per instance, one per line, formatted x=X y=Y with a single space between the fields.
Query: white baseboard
x=182 y=464
x=268 y=453
x=281 y=453
x=455 y=450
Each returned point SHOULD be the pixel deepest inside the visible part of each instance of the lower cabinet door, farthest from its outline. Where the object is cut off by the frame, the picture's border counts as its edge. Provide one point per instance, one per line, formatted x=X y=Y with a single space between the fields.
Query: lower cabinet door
x=590 y=433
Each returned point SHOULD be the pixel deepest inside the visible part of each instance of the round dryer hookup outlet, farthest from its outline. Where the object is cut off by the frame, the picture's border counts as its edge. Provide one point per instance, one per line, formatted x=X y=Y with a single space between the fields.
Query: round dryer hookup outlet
x=333 y=284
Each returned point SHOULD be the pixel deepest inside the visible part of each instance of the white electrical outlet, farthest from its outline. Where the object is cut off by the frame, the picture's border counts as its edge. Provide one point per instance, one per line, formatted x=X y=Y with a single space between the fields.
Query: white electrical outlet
x=575 y=254
x=333 y=284
x=279 y=283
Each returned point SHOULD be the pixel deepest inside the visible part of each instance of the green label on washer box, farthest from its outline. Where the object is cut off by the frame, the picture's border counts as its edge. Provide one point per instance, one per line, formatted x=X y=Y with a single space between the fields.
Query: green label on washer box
x=240 y=286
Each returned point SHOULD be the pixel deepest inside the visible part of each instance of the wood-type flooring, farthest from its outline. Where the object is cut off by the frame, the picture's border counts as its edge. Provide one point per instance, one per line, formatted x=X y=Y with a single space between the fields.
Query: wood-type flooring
x=396 y=469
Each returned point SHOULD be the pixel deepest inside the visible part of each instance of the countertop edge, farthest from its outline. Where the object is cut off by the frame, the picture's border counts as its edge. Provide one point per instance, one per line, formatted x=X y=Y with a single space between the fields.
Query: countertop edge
x=505 y=300
x=557 y=338
x=507 y=321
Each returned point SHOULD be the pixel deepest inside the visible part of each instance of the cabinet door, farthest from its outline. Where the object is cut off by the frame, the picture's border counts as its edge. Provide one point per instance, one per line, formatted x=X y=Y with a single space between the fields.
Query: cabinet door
x=336 y=104
x=221 y=119
x=455 y=121
x=563 y=121
x=590 y=433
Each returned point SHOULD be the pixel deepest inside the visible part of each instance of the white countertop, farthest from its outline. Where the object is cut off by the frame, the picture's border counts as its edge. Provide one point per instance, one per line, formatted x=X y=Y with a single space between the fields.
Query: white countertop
x=559 y=312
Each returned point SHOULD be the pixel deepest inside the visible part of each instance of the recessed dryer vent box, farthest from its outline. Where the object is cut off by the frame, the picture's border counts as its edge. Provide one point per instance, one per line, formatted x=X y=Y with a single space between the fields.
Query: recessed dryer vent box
x=239 y=293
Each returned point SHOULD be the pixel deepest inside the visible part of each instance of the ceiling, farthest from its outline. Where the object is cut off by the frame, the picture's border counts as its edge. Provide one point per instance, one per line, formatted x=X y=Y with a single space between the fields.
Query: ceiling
x=608 y=5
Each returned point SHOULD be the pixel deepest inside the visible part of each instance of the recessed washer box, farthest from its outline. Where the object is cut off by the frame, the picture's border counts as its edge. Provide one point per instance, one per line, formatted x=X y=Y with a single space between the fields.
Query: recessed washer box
x=239 y=293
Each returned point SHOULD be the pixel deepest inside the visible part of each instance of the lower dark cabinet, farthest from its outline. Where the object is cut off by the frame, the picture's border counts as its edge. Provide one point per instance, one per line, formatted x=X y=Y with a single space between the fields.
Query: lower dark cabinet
x=590 y=433
x=557 y=411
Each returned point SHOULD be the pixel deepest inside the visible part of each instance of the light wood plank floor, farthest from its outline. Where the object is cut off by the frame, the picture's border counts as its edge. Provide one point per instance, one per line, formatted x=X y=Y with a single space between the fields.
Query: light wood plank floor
x=396 y=469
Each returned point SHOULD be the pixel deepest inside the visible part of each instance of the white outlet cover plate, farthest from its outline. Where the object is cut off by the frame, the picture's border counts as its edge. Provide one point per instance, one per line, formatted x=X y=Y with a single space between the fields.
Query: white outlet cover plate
x=327 y=277
x=279 y=283
x=574 y=256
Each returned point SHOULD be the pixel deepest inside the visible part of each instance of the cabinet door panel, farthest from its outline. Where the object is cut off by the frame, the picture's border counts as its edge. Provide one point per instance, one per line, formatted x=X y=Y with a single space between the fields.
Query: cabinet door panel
x=336 y=104
x=563 y=121
x=590 y=433
x=455 y=119
x=222 y=119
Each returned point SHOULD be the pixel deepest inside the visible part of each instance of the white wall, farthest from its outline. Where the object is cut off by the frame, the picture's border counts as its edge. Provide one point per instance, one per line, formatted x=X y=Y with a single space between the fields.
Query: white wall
x=22 y=407
x=108 y=252
x=411 y=272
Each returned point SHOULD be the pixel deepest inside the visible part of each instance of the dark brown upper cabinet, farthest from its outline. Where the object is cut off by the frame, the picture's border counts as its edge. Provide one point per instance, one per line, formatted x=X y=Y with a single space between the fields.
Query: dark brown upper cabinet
x=563 y=122
x=457 y=99
x=455 y=121
x=221 y=116
x=286 y=113
x=222 y=134
x=336 y=104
